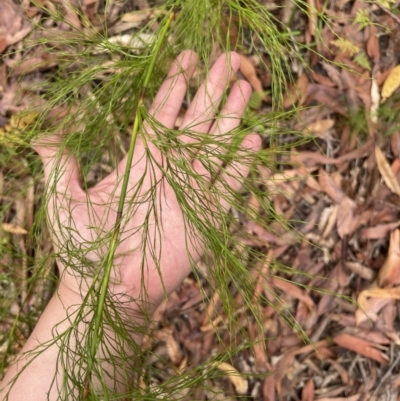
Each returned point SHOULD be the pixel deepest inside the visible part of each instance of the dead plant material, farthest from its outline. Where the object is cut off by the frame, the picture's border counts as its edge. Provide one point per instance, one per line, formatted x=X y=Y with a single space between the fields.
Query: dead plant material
x=360 y=346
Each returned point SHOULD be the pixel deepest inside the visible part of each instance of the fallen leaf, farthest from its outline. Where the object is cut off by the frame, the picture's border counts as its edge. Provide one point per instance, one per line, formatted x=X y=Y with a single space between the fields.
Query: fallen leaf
x=174 y=352
x=313 y=347
x=334 y=283
x=235 y=377
x=385 y=170
x=391 y=83
x=268 y=388
x=333 y=74
x=363 y=271
x=331 y=222
x=369 y=309
x=361 y=346
x=312 y=17
x=312 y=158
x=330 y=97
x=379 y=231
x=32 y=64
x=136 y=43
x=372 y=47
x=293 y=290
x=330 y=188
x=248 y=70
x=375 y=99
x=322 y=80
x=137 y=17
x=320 y=126
x=3 y=43
x=13 y=229
x=10 y=18
x=3 y=78
x=379 y=293
x=344 y=375
x=373 y=336
x=297 y=93
x=389 y=273
x=71 y=18
x=345 y=217
x=383 y=293
x=308 y=391
x=395 y=144
x=355 y=397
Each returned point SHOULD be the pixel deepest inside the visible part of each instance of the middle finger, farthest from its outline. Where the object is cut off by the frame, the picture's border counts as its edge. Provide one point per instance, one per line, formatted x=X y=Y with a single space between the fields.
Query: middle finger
x=199 y=116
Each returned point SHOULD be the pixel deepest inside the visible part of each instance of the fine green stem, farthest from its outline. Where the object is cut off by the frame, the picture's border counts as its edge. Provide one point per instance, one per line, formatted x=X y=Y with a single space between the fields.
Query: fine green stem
x=109 y=259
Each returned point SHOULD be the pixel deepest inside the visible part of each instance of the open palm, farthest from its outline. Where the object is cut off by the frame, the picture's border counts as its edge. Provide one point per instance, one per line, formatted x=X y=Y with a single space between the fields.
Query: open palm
x=154 y=254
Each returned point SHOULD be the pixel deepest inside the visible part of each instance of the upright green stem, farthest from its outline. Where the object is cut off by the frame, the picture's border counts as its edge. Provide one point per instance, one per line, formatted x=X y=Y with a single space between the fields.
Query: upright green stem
x=109 y=258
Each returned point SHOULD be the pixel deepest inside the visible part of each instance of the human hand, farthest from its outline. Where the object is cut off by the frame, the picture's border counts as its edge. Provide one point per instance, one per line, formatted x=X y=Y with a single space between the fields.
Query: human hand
x=154 y=254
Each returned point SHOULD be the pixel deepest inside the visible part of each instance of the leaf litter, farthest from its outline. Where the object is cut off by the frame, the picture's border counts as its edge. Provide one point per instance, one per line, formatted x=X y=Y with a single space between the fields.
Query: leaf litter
x=331 y=278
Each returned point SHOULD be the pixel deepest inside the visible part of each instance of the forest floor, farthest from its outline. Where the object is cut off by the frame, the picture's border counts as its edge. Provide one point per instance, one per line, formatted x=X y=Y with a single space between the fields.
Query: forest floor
x=340 y=190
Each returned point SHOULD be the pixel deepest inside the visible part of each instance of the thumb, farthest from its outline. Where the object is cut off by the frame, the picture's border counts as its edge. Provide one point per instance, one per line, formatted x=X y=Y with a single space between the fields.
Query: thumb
x=61 y=169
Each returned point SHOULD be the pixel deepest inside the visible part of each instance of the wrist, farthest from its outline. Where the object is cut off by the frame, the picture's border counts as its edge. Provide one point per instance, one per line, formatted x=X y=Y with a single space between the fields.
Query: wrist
x=68 y=296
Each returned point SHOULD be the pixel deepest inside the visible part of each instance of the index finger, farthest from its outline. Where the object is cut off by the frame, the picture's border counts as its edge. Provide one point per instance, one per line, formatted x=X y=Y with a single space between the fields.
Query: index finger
x=169 y=98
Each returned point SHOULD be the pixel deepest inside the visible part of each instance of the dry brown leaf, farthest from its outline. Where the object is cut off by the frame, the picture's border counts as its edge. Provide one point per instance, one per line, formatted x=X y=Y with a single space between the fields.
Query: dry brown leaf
x=363 y=271
x=308 y=391
x=248 y=70
x=344 y=375
x=221 y=318
x=381 y=293
x=269 y=388
x=385 y=170
x=174 y=352
x=322 y=79
x=331 y=222
x=345 y=217
x=13 y=228
x=326 y=96
x=360 y=346
x=293 y=290
x=239 y=382
x=373 y=336
x=311 y=158
x=333 y=74
x=330 y=188
x=395 y=144
x=391 y=83
x=369 y=309
x=380 y=231
x=3 y=43
x=10 y=18
x=13 y=25
x=320 y=126
x=389 y=273
x=297 y=93
x=355 y=397
x=302 y=88
x=32 y=64
x=312 y=17
x=137 y=17
x=375 y=99
x=372 y=47
x=314 y=347
x=71 y=18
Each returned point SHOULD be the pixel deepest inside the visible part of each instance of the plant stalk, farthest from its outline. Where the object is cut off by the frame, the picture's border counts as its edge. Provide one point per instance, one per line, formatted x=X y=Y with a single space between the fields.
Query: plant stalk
x=109 y=258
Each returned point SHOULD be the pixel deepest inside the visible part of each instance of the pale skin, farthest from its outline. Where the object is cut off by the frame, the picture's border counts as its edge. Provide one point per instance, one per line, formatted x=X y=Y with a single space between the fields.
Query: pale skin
x=83 y=210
